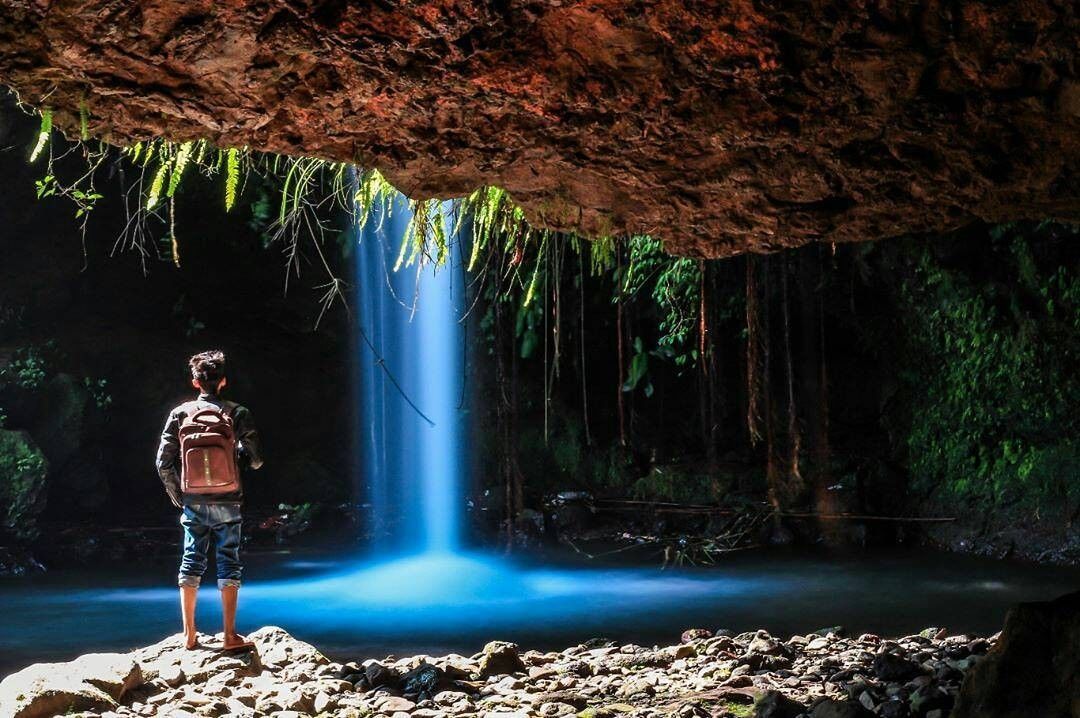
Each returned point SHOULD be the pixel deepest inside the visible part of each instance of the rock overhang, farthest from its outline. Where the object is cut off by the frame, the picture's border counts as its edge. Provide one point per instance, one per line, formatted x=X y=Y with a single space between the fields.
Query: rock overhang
x=721 y=127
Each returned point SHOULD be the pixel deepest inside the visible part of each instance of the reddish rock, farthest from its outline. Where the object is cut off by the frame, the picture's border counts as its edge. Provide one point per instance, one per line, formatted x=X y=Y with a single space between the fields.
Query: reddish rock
x=721 y=126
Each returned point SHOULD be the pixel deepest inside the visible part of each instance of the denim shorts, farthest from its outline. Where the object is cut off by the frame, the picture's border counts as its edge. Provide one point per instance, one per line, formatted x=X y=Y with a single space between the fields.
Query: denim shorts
x=203 y=523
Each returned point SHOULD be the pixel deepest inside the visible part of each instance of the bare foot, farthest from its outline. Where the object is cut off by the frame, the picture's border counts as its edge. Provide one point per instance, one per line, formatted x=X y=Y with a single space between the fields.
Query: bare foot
x=236 y=642
x=191 y=640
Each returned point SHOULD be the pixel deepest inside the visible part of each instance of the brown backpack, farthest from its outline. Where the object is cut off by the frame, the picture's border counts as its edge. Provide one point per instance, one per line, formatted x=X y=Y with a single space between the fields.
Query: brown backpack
x=208 y=452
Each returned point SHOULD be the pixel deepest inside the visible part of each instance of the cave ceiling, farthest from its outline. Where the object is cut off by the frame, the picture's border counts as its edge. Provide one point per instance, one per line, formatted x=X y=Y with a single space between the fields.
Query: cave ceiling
x=719 y=126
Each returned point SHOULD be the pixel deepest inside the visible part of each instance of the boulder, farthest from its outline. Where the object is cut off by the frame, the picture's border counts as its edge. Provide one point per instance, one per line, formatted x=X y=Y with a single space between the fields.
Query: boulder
x=500 y=658
x=422 y=682
x=765 y=644
x=94 y=682
x=378 y=676
x=169 y=657
x=774 y=704
x=60 y=427
x=891 y=667
x=830 y=708
x=695 y=634
x=1033 y=669
x=277 y=647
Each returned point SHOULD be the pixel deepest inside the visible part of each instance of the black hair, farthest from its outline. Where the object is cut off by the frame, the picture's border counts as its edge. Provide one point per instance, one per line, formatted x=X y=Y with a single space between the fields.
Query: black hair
x=208 y=369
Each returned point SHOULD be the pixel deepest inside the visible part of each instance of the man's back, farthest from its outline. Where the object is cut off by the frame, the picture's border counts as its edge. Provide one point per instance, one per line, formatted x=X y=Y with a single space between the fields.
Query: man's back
x=168 y=454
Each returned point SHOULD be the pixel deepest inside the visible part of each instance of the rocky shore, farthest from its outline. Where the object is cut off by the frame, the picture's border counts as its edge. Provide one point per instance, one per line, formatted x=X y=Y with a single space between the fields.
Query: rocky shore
x=826 y=674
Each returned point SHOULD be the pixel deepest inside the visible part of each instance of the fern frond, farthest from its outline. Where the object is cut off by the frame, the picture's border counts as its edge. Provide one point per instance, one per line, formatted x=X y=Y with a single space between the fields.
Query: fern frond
x=44 y=130
x=156 y=186
x=181 y=161
x=134 y=151
x=531 y=292
x=438 y=233
x=232 y=176
x=84 y=121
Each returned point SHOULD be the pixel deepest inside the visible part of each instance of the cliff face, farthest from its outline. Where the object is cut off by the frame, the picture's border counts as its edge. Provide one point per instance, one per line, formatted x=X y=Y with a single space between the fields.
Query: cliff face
x=722 y=126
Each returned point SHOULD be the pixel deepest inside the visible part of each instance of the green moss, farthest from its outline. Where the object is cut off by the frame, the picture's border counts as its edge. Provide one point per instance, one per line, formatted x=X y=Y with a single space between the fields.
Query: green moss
x=22 y=484
x=738 y=710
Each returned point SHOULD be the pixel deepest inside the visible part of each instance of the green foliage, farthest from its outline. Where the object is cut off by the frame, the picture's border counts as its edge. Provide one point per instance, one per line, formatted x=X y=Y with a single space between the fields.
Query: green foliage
x=99 y=392
x=991 y=370
x=183 y=156
x=674 y=284
x=22 y=484
x=232 y=176
x=157 y=185
x=27 y=369
x=638 y=370
x=45 y=187
x=44 y=131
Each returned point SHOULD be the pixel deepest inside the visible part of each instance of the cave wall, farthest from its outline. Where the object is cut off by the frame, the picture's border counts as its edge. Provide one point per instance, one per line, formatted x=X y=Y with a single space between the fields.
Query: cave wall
x=721 y=127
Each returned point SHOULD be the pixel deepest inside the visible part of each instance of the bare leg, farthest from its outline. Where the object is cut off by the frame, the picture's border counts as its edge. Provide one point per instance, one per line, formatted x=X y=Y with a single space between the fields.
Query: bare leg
x=233 y=640
x=188 y=594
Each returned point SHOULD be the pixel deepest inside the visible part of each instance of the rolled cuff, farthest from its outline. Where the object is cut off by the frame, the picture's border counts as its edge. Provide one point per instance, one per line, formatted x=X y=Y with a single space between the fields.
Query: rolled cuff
x=188 y=581
x=228 y=582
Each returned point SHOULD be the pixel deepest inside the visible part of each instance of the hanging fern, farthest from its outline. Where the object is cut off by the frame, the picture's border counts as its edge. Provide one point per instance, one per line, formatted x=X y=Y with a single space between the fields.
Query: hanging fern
x=134 y=151
x=183 y=155
x=232 y=176
x=540 y=257
x=84 y=121
x=156 y=186
x=43 y=133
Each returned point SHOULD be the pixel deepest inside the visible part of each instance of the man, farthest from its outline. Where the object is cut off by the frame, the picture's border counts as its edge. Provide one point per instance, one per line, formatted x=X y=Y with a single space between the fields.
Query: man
x=202 y=447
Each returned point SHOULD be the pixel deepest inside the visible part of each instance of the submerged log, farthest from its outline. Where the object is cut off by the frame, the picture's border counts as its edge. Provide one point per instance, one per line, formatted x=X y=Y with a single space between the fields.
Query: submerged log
x=721 y=127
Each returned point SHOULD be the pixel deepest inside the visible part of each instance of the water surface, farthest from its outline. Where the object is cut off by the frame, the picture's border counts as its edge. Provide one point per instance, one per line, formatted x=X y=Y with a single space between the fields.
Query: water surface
x=439 y=603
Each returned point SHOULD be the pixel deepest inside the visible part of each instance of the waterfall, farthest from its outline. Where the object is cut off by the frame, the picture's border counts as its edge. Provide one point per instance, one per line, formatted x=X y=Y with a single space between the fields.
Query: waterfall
x=409 y=345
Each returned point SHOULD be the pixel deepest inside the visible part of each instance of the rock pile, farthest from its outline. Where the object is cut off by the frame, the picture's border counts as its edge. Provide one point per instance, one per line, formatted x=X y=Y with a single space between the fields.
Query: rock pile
x=717 y=674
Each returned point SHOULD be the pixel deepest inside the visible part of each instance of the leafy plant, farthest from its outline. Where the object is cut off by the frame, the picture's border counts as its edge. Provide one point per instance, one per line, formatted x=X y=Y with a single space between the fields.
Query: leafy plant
x=639 y=369
x=22 y=484
x=994 y=418
x=27 y=368
x=99 y=392
x=674 y=284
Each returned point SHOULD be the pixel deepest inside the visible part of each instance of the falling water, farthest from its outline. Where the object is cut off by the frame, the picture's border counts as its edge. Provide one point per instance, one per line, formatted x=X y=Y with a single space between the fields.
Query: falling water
x=409 y=338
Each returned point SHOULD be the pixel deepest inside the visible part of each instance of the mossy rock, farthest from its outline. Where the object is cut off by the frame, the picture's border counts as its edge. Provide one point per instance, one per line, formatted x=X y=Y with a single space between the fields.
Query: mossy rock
x=60 y=427
x=22 y=484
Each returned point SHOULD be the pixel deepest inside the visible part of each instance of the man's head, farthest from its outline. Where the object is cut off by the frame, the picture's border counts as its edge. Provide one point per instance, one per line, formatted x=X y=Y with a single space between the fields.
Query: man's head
x=208 y=371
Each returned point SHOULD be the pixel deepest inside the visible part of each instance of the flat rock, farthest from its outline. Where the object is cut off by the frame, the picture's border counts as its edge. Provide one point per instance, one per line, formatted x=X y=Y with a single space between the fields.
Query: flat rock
x=169 y=656
x=94 y=682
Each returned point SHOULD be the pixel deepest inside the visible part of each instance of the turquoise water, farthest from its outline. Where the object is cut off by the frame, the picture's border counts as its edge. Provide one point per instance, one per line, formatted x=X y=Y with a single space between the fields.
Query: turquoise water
x=457 y=602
